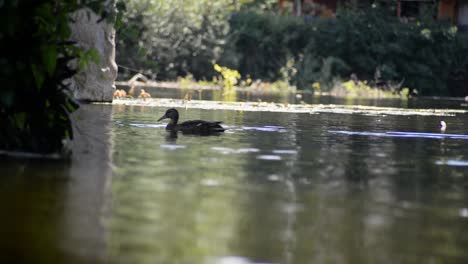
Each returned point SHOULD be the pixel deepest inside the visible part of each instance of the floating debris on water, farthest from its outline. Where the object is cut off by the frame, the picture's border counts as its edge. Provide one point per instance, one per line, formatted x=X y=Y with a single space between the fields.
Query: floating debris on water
x=274 y=177
x=442 y=125
x=463 y=212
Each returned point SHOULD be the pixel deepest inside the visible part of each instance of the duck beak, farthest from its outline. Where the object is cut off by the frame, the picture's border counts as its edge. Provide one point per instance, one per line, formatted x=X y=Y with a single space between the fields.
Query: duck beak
x=162 y=117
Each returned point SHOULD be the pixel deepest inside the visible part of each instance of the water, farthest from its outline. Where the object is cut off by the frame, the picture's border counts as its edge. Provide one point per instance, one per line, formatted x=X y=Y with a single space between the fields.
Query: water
x=275 y=188
x=291 y=98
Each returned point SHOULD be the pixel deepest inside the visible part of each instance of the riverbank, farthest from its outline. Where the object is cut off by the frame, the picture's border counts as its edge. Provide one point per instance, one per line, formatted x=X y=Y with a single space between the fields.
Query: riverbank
x=351 y=89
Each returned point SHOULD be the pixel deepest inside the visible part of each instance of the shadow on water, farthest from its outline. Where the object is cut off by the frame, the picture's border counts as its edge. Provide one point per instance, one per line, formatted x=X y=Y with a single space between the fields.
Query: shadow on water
x=52 y=211
x=274 y=188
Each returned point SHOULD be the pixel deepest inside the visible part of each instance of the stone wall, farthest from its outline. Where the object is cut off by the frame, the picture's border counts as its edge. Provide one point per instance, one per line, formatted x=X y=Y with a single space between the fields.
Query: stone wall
x=96 y=82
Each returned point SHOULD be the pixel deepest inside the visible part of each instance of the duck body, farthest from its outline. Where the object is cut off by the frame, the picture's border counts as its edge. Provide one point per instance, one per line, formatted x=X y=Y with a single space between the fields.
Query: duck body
x=197 y=127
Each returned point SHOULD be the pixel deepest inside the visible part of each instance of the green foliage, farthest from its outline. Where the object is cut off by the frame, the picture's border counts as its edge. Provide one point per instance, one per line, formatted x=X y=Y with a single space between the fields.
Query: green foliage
x=258 y=5
x=229 y=77
x=35 y=102
x=361 y=89
x=257 y=46
x=168 y=39
x=427 y=56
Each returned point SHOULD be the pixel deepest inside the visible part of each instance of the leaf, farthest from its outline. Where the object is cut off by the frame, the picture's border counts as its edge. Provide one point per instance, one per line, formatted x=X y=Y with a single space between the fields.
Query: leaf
x=6 y=98
x=71 y=105
x=63 y=28
x=44 y=14
x=20 y=120
x=217 y=68
x=38 y=76
x=49 y=58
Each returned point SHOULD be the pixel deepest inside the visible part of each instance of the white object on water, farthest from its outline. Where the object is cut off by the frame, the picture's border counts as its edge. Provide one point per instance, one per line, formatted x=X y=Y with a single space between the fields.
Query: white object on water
x=463 y=212
x=443 y=125
x=269 y=157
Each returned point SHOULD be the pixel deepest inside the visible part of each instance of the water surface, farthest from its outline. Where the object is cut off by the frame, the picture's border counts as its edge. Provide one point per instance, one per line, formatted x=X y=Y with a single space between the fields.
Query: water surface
x=287 y=188
x=275 y=188
x=301 y=97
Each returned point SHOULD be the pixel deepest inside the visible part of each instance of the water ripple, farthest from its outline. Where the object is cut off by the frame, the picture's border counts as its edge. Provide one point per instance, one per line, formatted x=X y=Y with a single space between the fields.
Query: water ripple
x=285 y=151
x=401 y=134
x=224 y=150
x=269 y=157
x=172 y=147
x=147 y=125
x=456 y=163
x=265 y=128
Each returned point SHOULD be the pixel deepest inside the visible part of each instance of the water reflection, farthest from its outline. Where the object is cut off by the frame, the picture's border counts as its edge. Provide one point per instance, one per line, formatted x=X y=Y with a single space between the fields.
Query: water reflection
x=276 y=188
x=52 y=211
x=303 y=97
x=293 y=188
x=402 y=134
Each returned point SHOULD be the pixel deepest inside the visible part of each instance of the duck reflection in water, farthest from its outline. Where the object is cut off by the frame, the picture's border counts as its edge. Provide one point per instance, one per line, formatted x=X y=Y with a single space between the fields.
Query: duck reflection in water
x=192 y=127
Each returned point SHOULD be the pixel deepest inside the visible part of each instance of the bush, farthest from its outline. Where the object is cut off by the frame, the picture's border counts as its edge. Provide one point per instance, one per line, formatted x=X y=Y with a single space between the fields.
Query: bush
x=35 y=102
x=168 y=39
x=427 y=56
x=260 y=44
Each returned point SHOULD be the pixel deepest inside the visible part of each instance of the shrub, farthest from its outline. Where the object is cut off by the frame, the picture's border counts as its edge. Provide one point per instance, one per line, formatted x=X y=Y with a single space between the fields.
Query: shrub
x=35 y=102
x=229 y=77
x=427 y=56
x=168 y=39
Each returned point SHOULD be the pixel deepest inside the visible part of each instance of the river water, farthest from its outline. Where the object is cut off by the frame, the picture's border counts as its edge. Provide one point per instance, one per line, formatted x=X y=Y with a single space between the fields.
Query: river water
x=274 y=188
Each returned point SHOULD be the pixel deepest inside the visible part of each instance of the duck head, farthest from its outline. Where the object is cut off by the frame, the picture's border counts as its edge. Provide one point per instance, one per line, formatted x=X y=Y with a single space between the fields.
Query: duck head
x=171 y=114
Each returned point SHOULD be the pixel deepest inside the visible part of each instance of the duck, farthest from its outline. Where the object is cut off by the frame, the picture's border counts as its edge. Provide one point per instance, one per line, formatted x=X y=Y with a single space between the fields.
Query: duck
x=123 y=93
x=119 y=94
x=144 y=94
x=199 y=127
x=131 y=92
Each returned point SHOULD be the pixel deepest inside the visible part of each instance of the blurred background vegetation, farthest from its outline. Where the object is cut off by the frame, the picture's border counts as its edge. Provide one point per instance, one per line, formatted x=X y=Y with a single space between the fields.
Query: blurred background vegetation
x=171 y=39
